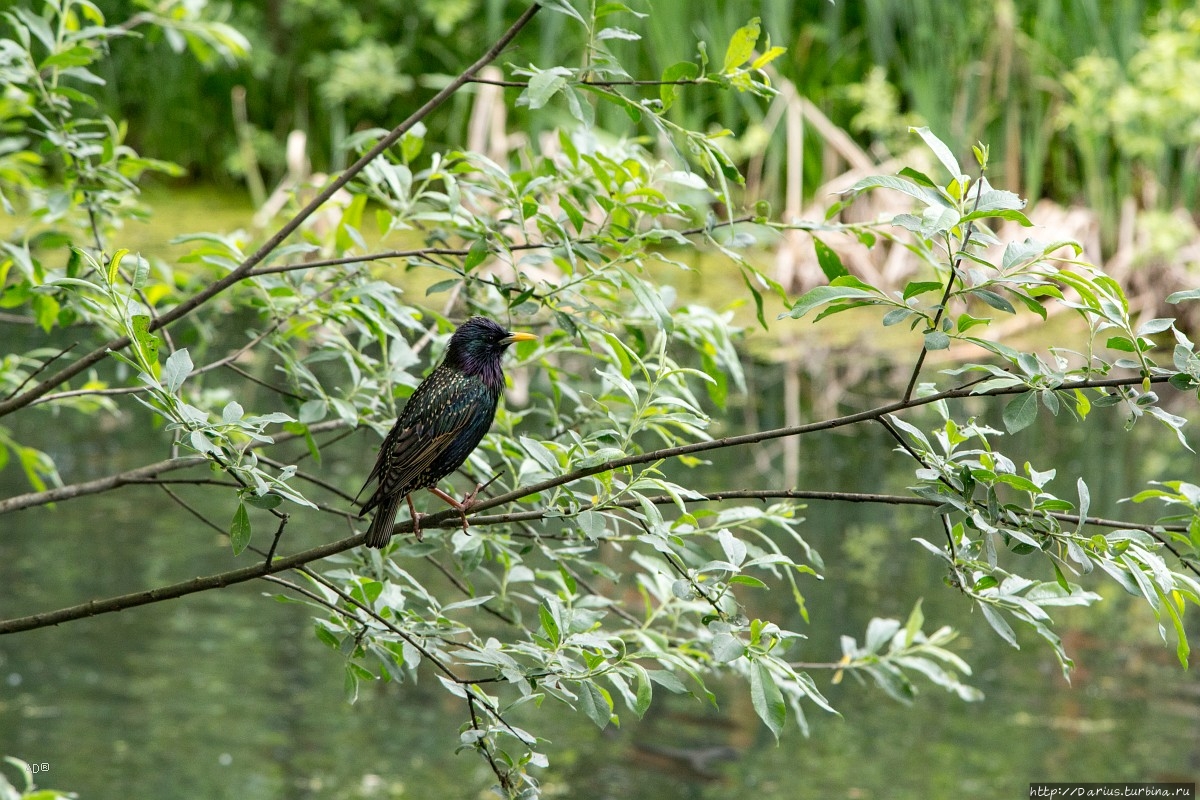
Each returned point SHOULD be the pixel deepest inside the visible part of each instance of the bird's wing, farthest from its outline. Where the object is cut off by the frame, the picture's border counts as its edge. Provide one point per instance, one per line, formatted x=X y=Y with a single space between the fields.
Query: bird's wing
x=435 y=415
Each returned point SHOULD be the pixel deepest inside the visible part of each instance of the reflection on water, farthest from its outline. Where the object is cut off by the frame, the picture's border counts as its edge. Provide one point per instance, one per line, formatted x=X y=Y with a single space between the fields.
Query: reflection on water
x=228 y=694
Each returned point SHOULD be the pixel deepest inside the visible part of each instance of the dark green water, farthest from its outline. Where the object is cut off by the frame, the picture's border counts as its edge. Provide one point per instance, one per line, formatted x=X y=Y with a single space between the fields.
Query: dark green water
x=227 y=694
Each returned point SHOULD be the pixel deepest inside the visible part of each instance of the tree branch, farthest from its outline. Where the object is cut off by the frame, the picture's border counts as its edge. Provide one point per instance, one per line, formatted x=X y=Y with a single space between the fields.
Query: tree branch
x=74 y=490
x=455 y=252
x=451 y=519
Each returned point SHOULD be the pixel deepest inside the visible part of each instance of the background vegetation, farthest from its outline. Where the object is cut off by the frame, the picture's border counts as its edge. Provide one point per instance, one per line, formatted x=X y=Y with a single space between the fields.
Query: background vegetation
x=610 y=566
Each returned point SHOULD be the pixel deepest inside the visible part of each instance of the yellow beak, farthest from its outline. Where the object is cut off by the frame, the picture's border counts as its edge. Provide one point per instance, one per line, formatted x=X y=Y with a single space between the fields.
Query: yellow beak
x=520 y=336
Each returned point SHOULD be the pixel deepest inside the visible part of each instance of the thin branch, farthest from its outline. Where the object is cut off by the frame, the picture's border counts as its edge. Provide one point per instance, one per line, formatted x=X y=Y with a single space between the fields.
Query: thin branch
x=458 y=252
x=195 y=513
x=264 y=384
x=138 y=475
x=524 y=84
x=245 y=269
x=71 y=491
x=955 y=265
x=41 y=367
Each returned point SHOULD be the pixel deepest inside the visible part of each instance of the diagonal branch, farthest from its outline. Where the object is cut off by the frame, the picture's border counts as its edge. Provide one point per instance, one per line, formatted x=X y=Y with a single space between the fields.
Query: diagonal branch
x=450 y=519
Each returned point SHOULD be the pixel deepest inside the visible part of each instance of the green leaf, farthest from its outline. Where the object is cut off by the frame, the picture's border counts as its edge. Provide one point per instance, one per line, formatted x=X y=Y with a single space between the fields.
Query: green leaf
x=999 y=624
x=821 y=295
x=985 y=582
x=176 y=370
x=114 y=265
x=596 y=703
x=668 y=92
x=1122 y=343
x=915 y=620
x=266 y=502
x=147 y=342
x=767 y=699
x=741 y=46
x=239 y=529
x=476 y=255
x=936 y=340
x=645 y=691
x=544 y=85
x=649 y=298
x=1179 y=297
x=541 y=455
x=1004 y=213
x=831 y=263
x=442 y=286
x=994 y=300
x=726 y=647
x=1021 y=412
x=940 y=150
x=918 y=177
x=549 y=624
x=46 y=310
x=914 y=288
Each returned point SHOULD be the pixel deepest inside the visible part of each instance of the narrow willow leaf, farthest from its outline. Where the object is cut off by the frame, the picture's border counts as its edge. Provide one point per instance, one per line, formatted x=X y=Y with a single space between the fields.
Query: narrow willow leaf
x=767 y=699
x=239 y=529
x=999 y=624
x=114 y=266
x=915 y=620
x=994 y=300
x=680 y=71
x=147 y=342
x=176 y=370
x=940 y=150
x=821 y=295
x=831 y=263
x=1179 y=297
x=645 y=690
x=476 y=255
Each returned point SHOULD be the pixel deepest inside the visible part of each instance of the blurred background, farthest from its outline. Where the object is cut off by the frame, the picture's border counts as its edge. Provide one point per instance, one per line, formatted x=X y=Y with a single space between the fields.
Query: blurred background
x=1091 y=111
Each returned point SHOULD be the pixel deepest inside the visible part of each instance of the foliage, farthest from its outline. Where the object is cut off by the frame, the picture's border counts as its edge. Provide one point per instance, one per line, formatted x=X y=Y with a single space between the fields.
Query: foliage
x=605 y=575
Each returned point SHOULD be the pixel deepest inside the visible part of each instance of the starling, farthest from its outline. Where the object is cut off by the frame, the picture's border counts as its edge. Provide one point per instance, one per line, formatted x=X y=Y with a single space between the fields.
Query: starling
x=443 y=421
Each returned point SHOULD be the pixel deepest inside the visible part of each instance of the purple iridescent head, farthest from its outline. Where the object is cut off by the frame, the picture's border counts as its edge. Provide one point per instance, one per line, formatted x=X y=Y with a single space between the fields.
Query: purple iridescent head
x=477 y=347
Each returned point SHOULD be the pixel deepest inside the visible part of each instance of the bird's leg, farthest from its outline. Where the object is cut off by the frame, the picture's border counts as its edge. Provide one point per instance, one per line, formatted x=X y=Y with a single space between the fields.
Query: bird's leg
x=462 y=509
x=469 y=499
x=416 y=518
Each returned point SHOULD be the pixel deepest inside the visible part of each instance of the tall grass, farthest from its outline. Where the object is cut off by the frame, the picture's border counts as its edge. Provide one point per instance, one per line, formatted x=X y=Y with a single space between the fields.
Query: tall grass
x=973 y=71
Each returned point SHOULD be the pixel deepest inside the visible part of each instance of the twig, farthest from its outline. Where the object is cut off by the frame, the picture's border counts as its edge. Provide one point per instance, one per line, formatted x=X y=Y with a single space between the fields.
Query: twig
x=460 y=252
x=43 y=365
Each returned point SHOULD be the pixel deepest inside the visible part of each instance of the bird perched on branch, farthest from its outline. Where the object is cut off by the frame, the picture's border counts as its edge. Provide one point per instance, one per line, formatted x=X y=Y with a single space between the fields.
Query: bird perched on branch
x=443 y=421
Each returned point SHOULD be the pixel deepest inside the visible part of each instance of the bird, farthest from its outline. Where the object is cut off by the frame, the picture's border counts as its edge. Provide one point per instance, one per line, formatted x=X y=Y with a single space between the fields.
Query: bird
x=440 y=425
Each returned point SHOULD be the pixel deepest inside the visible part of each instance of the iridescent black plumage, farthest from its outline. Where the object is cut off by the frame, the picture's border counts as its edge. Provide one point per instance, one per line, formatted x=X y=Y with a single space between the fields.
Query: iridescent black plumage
x=443 y=421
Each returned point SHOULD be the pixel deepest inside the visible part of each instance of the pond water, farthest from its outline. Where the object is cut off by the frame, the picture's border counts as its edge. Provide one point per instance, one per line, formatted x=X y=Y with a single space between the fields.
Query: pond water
x=227 y=694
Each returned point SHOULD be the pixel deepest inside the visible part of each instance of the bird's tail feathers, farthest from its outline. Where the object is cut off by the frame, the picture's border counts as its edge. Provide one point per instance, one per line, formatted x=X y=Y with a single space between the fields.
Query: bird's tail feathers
x=384 y=520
